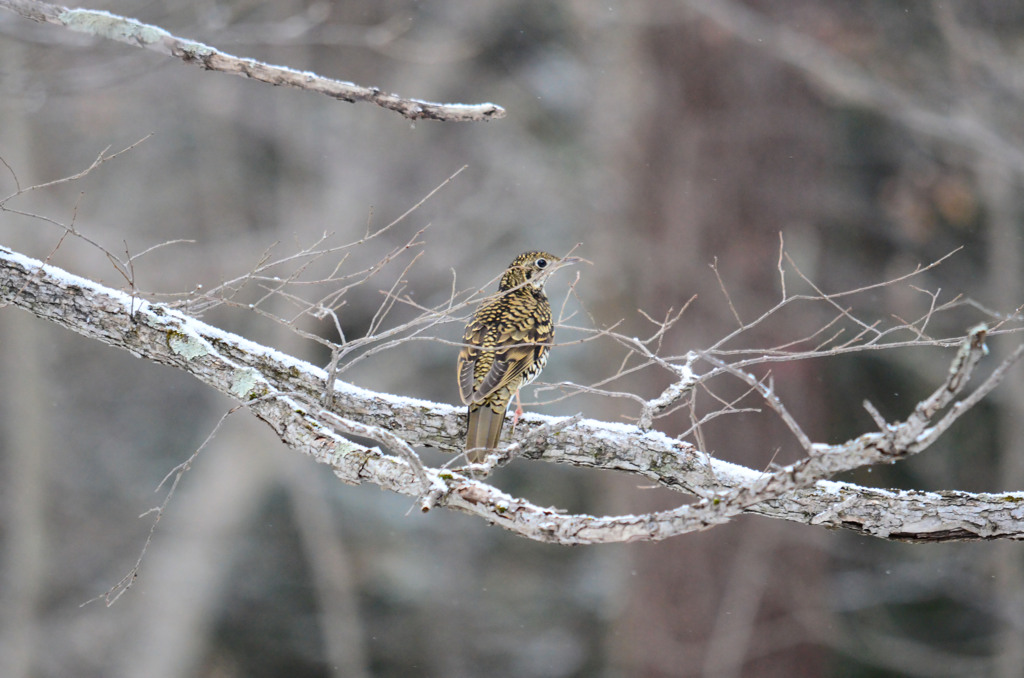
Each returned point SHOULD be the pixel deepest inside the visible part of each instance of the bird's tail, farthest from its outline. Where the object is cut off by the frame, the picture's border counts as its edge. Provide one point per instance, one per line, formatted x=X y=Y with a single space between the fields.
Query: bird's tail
x=484 y=432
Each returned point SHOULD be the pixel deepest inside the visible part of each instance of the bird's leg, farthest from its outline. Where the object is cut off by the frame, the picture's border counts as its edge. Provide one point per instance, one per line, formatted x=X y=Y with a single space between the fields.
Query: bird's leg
x=519 y=413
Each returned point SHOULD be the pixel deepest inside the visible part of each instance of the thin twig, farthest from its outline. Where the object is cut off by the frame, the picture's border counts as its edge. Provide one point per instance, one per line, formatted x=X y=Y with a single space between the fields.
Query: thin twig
x=728 y=298
x=770 y=397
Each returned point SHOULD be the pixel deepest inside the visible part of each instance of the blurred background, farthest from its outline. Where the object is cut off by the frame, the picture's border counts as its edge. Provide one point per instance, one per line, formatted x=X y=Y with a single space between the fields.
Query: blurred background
x=663 y=137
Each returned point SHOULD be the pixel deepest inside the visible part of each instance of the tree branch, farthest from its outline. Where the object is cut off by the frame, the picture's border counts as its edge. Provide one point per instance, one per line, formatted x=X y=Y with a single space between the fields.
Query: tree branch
x=286 y=393
x=133 y=32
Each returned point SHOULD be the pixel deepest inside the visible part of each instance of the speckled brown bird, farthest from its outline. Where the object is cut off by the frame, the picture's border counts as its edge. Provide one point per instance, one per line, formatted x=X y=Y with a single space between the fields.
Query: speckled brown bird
x=505 y=347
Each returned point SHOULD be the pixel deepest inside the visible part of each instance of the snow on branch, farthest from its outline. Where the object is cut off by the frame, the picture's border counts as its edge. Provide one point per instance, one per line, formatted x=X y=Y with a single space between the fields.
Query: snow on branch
x=133 y=32
x=289 y=395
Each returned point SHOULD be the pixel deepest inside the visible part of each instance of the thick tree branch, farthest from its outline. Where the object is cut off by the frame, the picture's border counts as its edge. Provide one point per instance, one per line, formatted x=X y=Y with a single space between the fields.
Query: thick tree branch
x=132 y=32
x=286 y=392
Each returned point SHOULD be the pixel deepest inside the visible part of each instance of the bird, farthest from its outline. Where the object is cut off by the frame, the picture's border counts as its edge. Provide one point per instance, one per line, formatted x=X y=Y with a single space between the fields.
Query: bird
x=505 y=346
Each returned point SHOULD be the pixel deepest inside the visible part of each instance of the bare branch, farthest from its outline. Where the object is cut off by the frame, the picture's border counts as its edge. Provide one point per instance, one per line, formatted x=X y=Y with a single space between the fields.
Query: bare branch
x=283 y=392
x=100 y=159
x=770 y=397
x=175 y=475
x=133 y=32
x=728 y=298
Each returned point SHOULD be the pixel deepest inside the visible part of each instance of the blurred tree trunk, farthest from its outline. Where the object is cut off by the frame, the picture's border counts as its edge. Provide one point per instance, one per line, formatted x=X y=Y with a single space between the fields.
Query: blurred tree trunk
x=25 y=439
x=1000 y=191
x=733 y=149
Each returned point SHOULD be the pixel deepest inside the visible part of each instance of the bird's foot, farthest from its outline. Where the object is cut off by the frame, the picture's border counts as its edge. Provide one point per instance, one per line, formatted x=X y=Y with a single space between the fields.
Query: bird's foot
x=518 y=413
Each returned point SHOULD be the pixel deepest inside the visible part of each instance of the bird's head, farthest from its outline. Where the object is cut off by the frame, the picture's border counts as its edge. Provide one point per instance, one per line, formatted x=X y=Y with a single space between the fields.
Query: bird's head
x=532 y=268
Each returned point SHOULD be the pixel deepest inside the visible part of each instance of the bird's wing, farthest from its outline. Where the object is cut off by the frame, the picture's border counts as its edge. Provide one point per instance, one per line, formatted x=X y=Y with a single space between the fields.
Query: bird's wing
x=468 y=357
x=507 y=367
x=495 y=357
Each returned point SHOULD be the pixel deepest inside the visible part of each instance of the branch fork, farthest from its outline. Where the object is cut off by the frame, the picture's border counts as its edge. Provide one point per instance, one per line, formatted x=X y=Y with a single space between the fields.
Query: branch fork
x=286 y=392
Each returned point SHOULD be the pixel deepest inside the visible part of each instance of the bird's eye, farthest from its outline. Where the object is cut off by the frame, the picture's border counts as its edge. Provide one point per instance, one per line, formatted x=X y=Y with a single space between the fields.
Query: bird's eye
x=541 y=263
